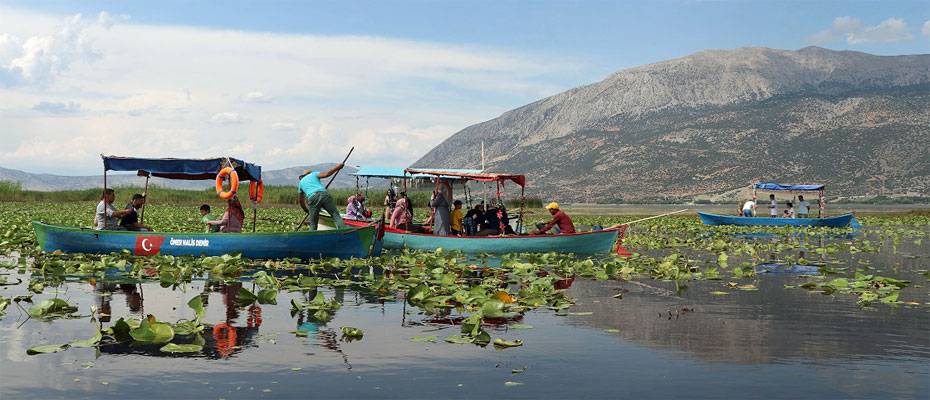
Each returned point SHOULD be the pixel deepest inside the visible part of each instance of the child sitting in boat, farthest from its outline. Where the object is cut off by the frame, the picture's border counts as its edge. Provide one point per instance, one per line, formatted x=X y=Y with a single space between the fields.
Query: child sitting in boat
x=205 y=217
x=789 y=212
x=457 y=218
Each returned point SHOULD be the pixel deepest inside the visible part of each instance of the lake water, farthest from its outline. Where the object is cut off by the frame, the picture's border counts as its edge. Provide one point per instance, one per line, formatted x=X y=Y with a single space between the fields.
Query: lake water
x=661 y=340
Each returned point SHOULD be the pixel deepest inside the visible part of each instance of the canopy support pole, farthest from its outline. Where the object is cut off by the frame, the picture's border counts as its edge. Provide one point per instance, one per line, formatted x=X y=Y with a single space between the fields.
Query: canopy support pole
x=254 y=214
x=145 y=199
x=522 y=205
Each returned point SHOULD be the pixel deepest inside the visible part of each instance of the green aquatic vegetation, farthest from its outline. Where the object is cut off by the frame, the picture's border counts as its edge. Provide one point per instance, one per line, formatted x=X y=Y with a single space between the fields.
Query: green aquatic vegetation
x=350 y=334
x=181 y=348
x=4 y=302
x=51 y=309
x=868 y=287
x=152 y=331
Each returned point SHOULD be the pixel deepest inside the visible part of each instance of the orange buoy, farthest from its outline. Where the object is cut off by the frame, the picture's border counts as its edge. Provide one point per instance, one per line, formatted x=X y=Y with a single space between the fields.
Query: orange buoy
x=233 y=183
x=256 y=191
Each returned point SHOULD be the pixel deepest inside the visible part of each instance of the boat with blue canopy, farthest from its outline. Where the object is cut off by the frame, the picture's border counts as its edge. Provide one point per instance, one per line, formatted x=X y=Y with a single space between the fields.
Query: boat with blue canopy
x=839 y=221
x=356 y=241
x=418 y=238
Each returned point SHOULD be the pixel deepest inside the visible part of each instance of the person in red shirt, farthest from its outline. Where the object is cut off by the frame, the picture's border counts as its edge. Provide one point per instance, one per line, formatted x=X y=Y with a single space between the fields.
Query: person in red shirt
x=559 y=218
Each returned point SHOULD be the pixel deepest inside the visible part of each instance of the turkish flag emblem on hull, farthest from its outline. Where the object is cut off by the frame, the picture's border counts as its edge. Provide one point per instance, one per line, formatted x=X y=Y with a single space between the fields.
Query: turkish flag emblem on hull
x=148 y=245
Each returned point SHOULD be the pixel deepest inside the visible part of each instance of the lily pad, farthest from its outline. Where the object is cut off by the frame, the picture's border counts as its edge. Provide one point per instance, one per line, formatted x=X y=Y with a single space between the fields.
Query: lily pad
x=181 y=348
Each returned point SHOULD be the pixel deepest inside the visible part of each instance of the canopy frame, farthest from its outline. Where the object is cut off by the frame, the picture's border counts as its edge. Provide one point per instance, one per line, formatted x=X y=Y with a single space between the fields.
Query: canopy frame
x=794 y=189
x=180 y=169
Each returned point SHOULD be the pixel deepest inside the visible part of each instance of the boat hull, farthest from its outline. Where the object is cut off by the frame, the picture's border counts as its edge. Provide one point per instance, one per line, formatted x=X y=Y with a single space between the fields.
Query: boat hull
x=586 y=243
x=345 y=243
x=840 y=221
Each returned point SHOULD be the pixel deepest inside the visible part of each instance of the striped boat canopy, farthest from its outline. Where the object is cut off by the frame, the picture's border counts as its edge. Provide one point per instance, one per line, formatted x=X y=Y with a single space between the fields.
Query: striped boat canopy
x=474 y=176
x=782 y=187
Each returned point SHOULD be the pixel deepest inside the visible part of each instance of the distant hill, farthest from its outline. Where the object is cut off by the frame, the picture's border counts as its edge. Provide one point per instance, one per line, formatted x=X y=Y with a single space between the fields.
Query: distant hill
x=713 y=122
x=47 y=182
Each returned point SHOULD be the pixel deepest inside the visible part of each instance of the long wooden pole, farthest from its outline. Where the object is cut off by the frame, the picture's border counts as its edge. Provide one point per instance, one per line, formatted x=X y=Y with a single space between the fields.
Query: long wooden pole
x=145 y=199
x=331 y=180
x=648 y=218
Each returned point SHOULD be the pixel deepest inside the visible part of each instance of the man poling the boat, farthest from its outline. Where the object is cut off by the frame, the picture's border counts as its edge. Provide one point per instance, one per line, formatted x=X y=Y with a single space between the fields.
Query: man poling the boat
x=318 y=198
x=559 y=218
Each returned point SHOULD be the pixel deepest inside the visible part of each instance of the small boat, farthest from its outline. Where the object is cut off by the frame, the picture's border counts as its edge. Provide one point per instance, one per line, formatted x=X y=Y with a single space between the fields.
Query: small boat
x=342 y=243
x=582 y=243
x=839 y=221
x=360 y=241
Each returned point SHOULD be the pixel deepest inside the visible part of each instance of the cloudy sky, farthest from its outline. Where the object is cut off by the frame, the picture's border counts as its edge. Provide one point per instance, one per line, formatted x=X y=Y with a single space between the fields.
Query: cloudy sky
x=301 y=82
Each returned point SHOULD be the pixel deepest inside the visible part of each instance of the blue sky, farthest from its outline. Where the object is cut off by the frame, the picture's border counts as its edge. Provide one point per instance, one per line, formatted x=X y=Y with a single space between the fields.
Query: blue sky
x=426 y=67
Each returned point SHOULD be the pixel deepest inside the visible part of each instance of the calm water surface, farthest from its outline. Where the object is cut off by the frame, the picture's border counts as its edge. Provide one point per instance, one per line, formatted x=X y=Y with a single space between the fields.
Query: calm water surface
x=658 y=341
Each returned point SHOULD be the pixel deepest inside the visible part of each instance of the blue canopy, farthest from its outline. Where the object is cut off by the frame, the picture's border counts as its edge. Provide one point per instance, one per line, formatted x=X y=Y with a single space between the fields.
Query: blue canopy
x=779 y=186
x=182 y=168
x=398 y=173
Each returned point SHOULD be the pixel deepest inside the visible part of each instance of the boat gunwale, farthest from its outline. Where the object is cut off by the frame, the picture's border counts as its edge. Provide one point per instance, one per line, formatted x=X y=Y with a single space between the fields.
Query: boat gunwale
x=93 y=231
x=388 y=229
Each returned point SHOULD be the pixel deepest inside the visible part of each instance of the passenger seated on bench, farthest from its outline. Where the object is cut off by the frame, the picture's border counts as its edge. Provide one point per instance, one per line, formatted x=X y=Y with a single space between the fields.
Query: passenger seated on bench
x=401 y=217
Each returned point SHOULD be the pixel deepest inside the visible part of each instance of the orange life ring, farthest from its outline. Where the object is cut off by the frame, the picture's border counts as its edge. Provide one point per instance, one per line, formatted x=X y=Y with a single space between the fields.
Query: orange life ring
x=256 y=191
x=233 y=183
x=225 y=336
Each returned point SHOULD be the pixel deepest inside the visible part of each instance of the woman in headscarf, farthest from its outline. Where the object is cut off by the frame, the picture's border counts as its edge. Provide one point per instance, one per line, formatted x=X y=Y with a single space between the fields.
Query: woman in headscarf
x=390 y=200
x=232 y=218
x=442 y=204
x=401 y=217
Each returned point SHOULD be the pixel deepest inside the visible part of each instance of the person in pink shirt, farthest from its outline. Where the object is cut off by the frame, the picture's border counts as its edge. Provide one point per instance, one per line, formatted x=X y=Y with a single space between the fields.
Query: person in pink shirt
x=559 y=218
x=400 y=217
x=232 y=218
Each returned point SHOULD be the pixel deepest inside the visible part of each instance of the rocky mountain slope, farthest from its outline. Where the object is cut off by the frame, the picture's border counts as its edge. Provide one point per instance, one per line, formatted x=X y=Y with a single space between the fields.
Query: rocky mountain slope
x=715 y=121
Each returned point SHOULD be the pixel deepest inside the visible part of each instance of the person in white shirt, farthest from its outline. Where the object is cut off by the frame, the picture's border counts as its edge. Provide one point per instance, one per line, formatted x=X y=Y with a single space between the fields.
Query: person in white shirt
x=748 y=207
x=773 y=206
x=803 y=207
x=789 y=211
x=107 y=217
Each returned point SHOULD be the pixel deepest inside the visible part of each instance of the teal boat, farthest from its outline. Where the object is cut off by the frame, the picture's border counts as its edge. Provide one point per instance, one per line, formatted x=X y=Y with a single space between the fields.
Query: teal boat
x=583 y=243
x=358 y=241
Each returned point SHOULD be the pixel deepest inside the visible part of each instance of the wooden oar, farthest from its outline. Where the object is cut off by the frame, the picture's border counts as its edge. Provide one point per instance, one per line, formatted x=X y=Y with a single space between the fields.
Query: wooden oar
x=331 y=180
x=648 y=218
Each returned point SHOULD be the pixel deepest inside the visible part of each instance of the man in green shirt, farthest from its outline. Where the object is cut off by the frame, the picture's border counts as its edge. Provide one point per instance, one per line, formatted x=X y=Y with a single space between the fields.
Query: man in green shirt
x=206 y=217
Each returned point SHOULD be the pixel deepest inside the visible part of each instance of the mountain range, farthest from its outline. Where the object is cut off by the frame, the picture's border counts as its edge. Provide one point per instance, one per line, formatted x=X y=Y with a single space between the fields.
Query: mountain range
x=713 y=122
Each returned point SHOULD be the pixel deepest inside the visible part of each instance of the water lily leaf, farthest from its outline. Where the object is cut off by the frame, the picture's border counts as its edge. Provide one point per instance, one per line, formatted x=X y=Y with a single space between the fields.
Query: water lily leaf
x=185 y=328
x=268 y=296
x=719 y=293
x=501 y=343
x=423 y=339
x=612 y=330
x=520 y=326
x=518 y=370
x=495 y=309
x=891 y=298
x=47 y=348
x=152 y=331
x=245 y=297
x=583 y=313
x=511 y=383
x=181 y=348
x=51 y=308
x=459 y=339
x=349 y=333
x=196 y=304
x=94 y=341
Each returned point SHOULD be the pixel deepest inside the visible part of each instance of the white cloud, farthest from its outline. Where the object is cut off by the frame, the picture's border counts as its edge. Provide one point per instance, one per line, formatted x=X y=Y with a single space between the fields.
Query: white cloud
x=925 y=29
x=854 y=32
x=196 y=92
x=257 y=97
x=229 y=118
x=57 y=108
x=284 y=126
x=41 y=58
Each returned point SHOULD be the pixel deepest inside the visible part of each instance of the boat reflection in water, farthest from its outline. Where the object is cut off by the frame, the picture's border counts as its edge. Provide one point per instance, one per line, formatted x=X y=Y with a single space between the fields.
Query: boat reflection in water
x=221 y=340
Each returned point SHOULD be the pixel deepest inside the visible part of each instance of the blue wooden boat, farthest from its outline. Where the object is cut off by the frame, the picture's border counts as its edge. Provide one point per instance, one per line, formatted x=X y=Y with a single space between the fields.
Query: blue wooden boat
x=351 y=242
x=840 y=221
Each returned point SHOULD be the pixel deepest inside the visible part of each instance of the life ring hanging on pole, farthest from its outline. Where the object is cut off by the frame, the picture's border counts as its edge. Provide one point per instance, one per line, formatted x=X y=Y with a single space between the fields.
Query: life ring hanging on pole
x=233 y=183
x=256 y=191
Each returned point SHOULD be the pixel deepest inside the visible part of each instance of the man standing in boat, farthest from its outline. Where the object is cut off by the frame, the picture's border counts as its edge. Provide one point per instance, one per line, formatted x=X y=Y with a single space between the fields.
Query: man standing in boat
x=803 y=207
x=773 y=206
x=559 y=218
x=318 y=198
